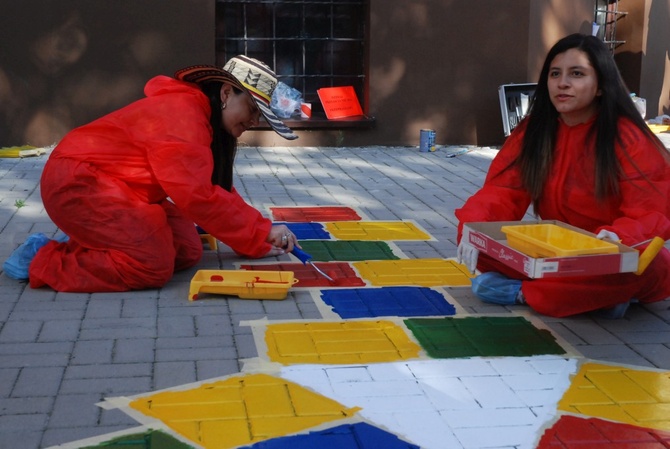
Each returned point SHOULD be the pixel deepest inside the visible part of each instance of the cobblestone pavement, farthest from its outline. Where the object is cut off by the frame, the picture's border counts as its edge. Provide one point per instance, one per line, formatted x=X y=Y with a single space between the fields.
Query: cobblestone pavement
x=61 y=354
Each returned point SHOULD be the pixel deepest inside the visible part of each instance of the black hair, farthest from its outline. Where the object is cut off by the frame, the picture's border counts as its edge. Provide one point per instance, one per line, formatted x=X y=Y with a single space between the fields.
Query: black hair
x=224 y=145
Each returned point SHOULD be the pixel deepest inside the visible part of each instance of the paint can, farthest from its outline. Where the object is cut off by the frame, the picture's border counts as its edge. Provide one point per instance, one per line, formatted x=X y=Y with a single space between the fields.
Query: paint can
x=427 y=140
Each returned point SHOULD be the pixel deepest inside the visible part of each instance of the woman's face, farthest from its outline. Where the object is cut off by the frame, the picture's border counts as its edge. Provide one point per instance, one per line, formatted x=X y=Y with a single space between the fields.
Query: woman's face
x=573 y=86
x=241 y=112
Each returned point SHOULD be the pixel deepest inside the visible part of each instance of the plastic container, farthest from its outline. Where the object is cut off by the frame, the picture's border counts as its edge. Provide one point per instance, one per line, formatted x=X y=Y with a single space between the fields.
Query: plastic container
x=640 y=104
x=242 y=283
x=549 y=240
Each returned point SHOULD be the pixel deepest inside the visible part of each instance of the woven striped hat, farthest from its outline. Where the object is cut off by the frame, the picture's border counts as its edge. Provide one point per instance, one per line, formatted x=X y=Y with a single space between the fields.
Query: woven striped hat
x=248 y=74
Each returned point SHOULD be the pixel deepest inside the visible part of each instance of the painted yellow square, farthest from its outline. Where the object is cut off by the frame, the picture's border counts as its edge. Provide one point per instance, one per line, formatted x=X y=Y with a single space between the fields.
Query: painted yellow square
x=241 y=410
x=621 y=394
x=420 y=272
x=655 y=385
x=339 y=342
x=619 y=387
x=375 y=230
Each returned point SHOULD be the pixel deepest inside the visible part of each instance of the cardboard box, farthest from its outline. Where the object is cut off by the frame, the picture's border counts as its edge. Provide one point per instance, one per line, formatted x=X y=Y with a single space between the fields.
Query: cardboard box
x=489 y=239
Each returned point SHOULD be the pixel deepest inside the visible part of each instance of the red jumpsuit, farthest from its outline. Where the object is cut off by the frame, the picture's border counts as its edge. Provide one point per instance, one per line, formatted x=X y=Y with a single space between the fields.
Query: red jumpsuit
x=106 y=185
x=641 y=212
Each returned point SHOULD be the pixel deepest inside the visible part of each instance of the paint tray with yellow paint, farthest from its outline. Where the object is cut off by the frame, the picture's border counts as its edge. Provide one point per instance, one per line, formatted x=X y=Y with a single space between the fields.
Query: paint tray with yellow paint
x=551 y=240
x=242 y=283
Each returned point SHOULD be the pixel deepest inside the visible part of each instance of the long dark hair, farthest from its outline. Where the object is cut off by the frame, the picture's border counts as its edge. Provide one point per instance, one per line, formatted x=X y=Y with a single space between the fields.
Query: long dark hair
x=224 y=145
x=614 y=102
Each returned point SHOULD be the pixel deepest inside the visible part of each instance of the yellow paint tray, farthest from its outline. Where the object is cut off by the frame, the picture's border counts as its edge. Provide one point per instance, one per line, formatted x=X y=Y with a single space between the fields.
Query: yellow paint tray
x=550 y=240
x=247 y=284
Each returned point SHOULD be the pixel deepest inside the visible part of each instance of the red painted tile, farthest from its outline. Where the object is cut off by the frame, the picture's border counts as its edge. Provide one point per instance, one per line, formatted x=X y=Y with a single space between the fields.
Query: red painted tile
x=309 y=214
x=307 y=276
x=571 y=432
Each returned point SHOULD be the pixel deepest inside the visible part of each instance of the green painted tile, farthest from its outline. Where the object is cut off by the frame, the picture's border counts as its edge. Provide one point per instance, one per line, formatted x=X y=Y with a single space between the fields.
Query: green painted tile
x=346 y=250
x=482 y=336
x=151 y=439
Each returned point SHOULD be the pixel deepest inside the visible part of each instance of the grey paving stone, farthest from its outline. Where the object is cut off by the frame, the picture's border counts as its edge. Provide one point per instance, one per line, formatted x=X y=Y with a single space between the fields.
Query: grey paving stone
x=20 y=331
x=26 y=406
x=106 y=370
x=88 y=352
x=20 y=423
x=176 y=326
x=195 y=354
x=19 y=438
x=246 y=346
x=214 y=325
x=591 y=333
x=620 y=353
x=75 y=409
x=170 y=374
x=40 y=360
x=108 y=387
x=104 y=308
x=209 y=369
x=60 y=435
x=60 y=330
x=134 y=350
x=38 y=381
x=112 y=327
x=656 y=353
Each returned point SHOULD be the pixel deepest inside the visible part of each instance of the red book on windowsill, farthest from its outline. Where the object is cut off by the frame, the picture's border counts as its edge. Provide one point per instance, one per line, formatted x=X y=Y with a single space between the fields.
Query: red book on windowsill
x=339 y=102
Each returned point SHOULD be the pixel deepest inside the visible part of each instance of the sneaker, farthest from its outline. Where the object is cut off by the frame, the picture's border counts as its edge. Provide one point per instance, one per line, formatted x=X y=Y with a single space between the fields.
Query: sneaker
x=16 y=266
x=496 y=288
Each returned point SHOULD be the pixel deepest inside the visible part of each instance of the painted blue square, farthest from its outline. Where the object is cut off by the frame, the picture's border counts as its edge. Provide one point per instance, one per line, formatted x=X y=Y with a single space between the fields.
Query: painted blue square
x=308 y=231
x=351 y=436
x=387 y=301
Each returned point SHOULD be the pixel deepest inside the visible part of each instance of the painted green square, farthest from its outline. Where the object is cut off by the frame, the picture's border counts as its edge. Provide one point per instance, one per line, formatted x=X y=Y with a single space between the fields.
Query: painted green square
x=151 y=439
x=482 y=336
x=347 y=250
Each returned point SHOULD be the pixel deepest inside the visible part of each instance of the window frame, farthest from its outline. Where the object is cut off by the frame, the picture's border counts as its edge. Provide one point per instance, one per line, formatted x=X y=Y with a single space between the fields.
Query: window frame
x=266 y=35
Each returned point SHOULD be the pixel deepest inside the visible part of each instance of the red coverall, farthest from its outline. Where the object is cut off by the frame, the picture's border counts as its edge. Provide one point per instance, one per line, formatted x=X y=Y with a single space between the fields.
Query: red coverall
x=641 y=212
x=106 y=186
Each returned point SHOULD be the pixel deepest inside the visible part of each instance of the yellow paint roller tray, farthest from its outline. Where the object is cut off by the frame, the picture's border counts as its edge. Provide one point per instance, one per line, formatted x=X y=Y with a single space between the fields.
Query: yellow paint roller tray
x=550 y=240
x=247 y=284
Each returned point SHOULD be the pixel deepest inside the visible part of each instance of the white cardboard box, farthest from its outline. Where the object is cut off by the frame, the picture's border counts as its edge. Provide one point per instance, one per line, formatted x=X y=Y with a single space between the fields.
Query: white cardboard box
x=489 y=239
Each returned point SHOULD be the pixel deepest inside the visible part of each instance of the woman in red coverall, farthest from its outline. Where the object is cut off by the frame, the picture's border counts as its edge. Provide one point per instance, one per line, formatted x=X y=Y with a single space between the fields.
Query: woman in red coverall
x=129 y=187
x=583 y=156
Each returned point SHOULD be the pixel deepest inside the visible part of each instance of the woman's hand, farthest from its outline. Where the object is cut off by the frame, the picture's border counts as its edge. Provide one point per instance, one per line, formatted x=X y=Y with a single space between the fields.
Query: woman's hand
x=282 y=240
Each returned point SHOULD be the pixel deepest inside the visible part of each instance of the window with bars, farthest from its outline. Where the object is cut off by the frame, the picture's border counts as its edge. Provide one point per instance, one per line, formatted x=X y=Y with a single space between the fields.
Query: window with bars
x=310 y=43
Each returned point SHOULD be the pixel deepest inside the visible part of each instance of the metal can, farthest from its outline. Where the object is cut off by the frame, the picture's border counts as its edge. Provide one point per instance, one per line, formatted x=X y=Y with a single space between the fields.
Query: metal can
x=427 y=140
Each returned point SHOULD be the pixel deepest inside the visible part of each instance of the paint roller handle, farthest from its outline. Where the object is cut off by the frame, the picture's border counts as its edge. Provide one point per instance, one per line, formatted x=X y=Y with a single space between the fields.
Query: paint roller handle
x=302 y=255
x=648 y=254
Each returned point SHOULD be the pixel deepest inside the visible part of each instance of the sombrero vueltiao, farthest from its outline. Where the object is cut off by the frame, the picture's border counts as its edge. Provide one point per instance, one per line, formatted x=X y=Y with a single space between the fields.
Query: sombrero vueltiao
x=248 y=74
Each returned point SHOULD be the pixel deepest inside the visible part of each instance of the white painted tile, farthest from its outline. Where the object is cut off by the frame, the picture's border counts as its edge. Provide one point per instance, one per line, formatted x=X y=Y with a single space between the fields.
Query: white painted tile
x=492 y=392
x=500 y=417
x=517 y=437
x=452 y=368
x=348 y=374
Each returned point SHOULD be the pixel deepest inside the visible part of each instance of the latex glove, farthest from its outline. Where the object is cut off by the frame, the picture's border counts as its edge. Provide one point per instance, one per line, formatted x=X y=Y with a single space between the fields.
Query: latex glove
x=467 y=255
x=609 y=235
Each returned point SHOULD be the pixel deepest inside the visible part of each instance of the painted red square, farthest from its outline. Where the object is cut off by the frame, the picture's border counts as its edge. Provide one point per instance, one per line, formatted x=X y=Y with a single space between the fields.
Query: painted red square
x=341 y=272
x=572 y=432
x=315 y=213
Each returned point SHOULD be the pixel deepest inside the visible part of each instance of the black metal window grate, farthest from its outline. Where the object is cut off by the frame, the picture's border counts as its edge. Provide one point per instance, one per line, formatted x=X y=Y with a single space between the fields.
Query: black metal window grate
x=310 y=43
